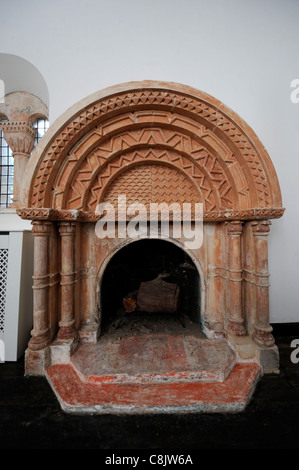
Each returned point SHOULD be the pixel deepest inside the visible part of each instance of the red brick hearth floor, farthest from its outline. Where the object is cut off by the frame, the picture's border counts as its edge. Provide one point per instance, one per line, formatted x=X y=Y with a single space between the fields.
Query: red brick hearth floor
x=154 y=374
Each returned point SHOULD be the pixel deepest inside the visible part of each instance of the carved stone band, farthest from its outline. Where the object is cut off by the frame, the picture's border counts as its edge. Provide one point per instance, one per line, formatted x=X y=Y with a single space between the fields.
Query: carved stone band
x=90 y=216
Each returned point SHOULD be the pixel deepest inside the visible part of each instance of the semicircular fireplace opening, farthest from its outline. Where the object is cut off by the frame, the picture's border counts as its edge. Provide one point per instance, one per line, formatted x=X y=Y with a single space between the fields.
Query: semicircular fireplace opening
x=150 y=285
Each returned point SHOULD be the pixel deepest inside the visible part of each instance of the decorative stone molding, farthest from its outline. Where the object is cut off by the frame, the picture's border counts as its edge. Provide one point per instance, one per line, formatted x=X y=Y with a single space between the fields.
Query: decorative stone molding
x=91 y=216
x=261 y=227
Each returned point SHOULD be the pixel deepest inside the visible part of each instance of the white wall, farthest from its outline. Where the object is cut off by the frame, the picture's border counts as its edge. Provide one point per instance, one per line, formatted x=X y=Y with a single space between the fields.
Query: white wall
x=243 y=52
x=17 y=74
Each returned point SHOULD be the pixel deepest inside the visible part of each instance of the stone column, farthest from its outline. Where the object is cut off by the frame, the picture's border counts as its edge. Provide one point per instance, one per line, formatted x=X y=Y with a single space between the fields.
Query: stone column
x=41 y=331
x=20 y=138
x=235 y=317
x=67 y=321
x=215 y=236
x=262 y=333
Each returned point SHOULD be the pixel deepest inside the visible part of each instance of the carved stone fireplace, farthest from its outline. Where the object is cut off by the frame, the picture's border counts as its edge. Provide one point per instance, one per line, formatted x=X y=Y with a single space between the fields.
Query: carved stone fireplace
x=153 y=142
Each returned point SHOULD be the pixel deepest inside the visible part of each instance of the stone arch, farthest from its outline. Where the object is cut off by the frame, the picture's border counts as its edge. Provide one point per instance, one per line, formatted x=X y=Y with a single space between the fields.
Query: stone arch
x=212 y=143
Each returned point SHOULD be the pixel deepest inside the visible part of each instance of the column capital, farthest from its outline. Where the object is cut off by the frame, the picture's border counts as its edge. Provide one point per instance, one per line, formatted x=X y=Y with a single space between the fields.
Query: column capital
x=235 y=227
x=41 y=227
x=20 y=109
x=67 y=228
x=19 y=135
x=260 y=227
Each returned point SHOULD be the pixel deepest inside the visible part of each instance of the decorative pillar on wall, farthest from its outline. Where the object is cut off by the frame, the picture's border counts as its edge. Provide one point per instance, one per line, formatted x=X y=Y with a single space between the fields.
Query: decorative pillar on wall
x=262 y=332
x=20 y=138
x=41 y=331
x=66 y=324
x=20 y=109
x=235 y=316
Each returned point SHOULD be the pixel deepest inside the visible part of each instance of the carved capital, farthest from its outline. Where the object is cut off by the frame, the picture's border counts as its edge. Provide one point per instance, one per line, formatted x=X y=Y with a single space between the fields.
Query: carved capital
x=234 y=227
x=19 y=136
x=41 y=228
x=67 y=228
x=261 y=227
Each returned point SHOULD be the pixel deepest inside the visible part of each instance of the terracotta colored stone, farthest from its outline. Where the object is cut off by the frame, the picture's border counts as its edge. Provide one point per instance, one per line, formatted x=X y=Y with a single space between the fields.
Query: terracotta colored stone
x=41 y=331
x=67 y=278
x=154 y=142
x=229 y=396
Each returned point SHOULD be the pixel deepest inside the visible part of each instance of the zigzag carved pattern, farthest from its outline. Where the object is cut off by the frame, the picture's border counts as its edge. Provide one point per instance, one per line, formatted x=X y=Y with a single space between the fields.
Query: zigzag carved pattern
x=181 y=165
x=150 y=97
x=152 y=184
x=251 y=157
x=154 y=137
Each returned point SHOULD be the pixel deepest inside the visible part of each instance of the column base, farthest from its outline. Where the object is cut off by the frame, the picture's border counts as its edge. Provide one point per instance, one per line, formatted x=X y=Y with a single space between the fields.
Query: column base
x=213 y=330
x=39 y=341
x=66 y=332
x=262 y=336
x=62 y=350
x=36 y=362
x=236 y=328
x=89 y=333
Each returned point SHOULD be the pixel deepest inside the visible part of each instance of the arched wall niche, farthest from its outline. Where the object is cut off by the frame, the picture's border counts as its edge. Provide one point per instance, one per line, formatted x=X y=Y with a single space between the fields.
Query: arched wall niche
x=20 y=75
x=153 y=142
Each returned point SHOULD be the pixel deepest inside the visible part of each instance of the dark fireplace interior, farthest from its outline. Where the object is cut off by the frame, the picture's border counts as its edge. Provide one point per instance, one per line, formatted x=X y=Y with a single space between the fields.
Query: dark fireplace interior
x=141 y=261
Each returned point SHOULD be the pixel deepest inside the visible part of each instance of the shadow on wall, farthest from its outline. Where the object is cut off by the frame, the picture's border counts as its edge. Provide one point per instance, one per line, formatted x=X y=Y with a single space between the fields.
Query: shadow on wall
x=17 y=74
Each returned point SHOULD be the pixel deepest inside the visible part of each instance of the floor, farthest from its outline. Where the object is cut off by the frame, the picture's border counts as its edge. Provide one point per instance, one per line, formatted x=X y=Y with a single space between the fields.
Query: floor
x=31 y=417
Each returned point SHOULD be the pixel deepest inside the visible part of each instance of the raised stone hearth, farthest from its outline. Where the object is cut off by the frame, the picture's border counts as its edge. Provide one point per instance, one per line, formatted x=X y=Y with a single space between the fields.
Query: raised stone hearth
x=138 y=356
x=143 y=144
x=150 y=373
